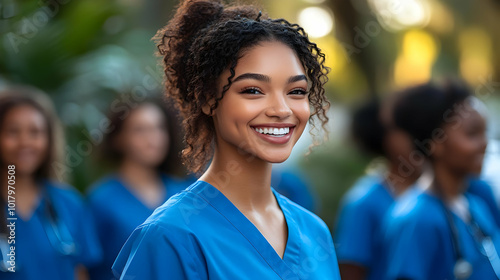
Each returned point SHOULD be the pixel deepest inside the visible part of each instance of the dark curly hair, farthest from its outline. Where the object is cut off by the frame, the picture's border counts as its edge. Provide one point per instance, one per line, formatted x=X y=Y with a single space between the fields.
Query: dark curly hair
x=206 y=37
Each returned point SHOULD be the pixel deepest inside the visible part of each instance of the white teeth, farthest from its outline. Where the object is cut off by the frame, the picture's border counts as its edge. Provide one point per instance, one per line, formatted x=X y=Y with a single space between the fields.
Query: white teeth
x=273 y=131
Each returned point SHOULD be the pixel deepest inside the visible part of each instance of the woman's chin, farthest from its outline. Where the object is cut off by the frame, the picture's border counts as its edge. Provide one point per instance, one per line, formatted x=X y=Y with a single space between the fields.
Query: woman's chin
x=276 y=158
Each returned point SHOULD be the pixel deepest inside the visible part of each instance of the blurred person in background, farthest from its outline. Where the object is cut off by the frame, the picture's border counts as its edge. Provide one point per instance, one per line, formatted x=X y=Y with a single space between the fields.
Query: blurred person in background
x=54 y=234
x=357 y=233
x=142 y=146
x=295 y=185
x=449 y=230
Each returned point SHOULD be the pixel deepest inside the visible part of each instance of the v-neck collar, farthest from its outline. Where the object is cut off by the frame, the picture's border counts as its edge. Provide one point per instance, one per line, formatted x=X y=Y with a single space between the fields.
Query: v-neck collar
x=285 y=267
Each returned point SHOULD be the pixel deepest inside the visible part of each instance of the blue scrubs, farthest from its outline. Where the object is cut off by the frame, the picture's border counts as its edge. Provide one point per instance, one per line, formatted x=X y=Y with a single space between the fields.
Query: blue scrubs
x=200 y=234
x=36 y=256
x=484 y=191
x=419 y=239
x=117 y=213
x=358 y=238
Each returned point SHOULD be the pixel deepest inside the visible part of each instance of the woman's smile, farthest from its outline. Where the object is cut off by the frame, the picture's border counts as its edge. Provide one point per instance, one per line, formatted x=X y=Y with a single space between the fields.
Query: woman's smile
x=279 y=133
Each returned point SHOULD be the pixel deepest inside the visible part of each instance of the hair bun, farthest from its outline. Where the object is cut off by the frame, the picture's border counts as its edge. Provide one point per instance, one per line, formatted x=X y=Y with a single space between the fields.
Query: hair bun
x=191 y=17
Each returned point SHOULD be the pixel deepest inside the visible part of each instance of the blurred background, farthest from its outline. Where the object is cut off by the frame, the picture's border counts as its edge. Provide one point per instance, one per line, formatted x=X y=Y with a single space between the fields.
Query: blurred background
x=89 y=55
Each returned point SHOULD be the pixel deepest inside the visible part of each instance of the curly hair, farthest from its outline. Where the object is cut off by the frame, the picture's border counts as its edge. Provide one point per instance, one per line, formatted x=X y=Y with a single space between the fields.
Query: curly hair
x=206 y=37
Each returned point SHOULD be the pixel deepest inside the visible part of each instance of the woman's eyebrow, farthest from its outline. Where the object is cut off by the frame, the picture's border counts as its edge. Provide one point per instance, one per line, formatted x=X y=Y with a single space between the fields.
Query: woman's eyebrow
x=267 y=79
x=297 y=78
x=254 y=76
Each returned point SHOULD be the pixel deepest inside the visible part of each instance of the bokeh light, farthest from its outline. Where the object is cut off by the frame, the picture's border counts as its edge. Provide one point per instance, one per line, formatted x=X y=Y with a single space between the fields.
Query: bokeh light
x=414 y=64
x=395 y=15
x=475 y=55
x=317 y=21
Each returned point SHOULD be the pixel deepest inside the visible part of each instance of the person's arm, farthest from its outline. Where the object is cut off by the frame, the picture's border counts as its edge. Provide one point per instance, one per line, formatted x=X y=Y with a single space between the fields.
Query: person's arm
x=81 y=273
x=352 y=271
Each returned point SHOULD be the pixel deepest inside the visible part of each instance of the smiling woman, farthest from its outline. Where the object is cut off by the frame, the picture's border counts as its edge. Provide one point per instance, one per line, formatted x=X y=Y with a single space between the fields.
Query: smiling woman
x=247 y=86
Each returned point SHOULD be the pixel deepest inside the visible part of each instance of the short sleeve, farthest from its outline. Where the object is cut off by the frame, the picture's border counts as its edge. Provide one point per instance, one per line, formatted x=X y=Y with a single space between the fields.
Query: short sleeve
x=154 y=252
x=353 y=235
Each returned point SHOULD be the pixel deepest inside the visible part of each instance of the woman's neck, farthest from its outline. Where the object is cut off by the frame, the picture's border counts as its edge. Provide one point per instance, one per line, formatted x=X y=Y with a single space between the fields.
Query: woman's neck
x=244 y=179
x=447 y=183
x=401 y=182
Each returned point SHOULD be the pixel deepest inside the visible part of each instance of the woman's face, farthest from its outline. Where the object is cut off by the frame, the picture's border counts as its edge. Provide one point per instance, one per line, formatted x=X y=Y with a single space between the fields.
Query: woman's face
x=465 y=145
x=266 y=109
x=24 y=139
x=144 y=137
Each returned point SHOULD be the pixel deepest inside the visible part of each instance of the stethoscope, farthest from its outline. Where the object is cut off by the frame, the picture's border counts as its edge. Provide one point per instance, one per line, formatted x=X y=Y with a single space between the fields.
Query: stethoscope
x=463 y=269
x=57 y=232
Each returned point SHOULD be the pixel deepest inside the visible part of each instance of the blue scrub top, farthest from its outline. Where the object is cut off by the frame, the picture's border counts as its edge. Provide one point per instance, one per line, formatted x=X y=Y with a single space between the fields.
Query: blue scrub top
x=358 y=237
x=117 y=212
x=200 y=234
x=419 y=240
x=484 y=191
x=36 y=257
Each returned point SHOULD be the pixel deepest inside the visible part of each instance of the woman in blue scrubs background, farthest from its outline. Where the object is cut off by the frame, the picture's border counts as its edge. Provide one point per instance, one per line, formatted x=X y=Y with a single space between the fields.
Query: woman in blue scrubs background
x=447 y=231
x=142 y=145
x=358 y=237
x=54 y=236
x=246 y=85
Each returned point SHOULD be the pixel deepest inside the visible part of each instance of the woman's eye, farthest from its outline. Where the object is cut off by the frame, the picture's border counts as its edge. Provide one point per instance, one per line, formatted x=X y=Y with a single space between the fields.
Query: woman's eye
x=251 y=91
x=298 y=92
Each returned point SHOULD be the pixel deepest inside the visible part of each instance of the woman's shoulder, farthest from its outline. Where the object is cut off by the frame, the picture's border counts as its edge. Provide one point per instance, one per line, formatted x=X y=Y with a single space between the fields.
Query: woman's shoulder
x=65 y=196
x=366 y=191
x=62 y=191
x=104 y=186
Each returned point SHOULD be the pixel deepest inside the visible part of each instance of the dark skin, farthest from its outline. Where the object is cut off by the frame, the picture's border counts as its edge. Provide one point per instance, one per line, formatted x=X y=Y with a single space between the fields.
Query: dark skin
x=460 y=155
x=352 y=271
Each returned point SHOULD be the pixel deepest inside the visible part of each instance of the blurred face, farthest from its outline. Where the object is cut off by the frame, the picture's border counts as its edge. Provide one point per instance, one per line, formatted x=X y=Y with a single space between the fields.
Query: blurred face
x=266 y=109
x=144 y=137
x=24 y=139
x=465 y=145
